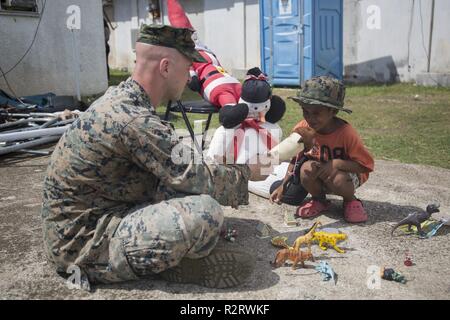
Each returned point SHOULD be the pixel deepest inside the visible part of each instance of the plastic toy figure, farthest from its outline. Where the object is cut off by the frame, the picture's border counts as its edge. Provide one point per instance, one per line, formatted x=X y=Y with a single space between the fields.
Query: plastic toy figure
x=230 y=234
x=308 y=237
x=293 y=255
x=408 y=261
x=392 y=275
x=330 y=239
x=416 y=219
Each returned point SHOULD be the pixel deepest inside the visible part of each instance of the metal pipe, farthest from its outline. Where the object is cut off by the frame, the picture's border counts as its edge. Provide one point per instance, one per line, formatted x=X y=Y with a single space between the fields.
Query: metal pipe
x=21 y=122
x=38 y=152
x=29 y=144
x=27 y=115
x=49 y=123
x=63 y=122
x=54 y=125
x=17 y=136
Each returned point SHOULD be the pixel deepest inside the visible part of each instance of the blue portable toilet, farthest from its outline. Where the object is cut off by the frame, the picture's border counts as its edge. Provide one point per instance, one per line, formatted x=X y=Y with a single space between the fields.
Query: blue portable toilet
x=301 y=39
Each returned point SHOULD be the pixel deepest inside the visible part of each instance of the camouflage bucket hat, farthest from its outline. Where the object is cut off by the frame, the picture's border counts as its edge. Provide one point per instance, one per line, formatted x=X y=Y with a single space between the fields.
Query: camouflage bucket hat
x=167 y=36
x=325 y=91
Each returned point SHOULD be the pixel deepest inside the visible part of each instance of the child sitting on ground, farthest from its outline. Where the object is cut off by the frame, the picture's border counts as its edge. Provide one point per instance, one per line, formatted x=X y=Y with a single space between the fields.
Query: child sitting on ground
x=337 y=163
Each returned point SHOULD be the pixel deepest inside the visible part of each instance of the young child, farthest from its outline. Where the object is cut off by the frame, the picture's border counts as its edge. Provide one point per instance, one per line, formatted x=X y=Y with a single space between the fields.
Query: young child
x=337 y=163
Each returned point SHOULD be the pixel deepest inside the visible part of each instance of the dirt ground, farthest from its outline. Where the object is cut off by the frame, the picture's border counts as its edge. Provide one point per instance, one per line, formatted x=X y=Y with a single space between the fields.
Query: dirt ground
x=394 y=190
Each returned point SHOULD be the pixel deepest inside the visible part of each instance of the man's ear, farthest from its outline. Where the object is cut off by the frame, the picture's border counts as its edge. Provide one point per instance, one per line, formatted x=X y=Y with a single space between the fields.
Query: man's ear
x=164 y=67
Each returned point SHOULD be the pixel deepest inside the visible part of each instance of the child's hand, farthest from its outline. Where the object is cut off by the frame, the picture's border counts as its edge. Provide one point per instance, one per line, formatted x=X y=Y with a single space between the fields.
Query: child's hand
x=275 y=197
x=326 y=171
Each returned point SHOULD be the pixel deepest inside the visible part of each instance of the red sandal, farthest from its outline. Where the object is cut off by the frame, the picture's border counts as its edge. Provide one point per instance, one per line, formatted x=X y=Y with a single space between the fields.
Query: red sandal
x=354 y=211
x=312 y=208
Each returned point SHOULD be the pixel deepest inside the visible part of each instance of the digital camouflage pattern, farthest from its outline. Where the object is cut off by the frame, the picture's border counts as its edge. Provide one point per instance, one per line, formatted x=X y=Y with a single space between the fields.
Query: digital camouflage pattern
x=325 y=91
x=150 y=242
x=115 y=162
x=167 y=36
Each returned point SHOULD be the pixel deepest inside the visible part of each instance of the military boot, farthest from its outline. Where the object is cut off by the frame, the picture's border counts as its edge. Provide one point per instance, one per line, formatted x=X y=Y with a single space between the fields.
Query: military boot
x=223 y=268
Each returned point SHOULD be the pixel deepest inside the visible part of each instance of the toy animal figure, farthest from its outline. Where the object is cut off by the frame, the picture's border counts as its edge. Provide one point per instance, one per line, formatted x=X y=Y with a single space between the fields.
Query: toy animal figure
x=307 y=238
x=330 y=239
x=416 y=219
x=281 y=242
x=293 y=255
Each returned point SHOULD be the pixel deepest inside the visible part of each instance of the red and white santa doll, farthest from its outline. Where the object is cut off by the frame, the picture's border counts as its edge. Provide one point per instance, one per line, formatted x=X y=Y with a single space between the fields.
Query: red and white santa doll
x=254 y=135
x=213 y=82
x=248 y=112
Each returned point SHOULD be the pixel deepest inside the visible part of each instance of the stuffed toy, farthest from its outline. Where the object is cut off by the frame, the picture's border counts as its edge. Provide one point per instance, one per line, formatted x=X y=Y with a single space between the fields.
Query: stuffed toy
x=218 y=87
x=257 y=133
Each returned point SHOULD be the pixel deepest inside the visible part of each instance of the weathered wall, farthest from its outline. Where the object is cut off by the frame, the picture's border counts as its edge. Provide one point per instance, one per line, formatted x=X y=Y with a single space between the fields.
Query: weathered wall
x=49 y=66
x=232 y=30
x=397 y=49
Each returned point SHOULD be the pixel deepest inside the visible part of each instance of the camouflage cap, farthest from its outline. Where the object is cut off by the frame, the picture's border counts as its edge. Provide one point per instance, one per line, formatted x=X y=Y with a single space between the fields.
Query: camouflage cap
x=167 y=36
x=325 y=91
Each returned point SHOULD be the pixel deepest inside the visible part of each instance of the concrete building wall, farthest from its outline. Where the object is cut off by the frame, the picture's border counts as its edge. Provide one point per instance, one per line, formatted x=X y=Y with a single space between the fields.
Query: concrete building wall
x=126 y=17
x=397 y=47
x=232 y=30
x=233 y=33
x=384 y=40
x=49 y=66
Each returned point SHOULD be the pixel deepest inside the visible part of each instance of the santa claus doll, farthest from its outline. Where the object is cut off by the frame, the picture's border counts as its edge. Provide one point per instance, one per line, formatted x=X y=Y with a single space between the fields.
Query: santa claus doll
x=216 y=85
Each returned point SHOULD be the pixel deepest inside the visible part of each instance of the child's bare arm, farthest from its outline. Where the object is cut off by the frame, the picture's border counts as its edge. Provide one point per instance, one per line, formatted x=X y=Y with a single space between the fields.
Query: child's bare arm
x=276 y=195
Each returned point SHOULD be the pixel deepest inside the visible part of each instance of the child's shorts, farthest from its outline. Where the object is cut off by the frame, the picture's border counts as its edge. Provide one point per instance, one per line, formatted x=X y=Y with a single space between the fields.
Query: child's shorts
x=355 y=181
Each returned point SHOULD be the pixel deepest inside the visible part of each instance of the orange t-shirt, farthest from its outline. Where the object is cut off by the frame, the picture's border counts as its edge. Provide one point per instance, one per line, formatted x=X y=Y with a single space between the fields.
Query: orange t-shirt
x=344 y=143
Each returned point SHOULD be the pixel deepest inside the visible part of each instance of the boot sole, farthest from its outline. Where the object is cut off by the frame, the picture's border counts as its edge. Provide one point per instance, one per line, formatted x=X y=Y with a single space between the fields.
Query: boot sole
x=221 y=269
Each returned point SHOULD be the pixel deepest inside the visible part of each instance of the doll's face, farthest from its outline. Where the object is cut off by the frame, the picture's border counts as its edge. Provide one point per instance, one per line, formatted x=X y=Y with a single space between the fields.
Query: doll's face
x=256 y=110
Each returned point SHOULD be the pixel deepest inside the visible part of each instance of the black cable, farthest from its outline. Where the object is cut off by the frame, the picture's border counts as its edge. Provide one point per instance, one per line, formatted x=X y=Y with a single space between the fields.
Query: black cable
x=10 y=88
x=32 y=42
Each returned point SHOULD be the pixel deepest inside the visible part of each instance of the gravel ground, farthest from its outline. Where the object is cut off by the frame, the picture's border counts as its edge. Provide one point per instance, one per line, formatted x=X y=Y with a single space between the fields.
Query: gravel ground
x=391 y=193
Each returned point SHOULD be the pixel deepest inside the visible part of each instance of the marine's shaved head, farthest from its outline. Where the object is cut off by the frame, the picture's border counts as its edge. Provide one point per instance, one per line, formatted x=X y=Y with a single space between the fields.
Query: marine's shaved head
x=150 y=53
x=161 y=71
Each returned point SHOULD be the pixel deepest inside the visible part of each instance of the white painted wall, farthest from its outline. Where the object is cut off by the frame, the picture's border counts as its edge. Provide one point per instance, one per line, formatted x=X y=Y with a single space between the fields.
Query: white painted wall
x=232 y=30
x=398 y=50
x=127 y=16
x=49 y=67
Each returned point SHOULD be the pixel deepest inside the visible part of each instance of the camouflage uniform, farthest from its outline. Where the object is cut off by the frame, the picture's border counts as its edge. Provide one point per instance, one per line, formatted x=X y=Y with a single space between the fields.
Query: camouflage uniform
x=116 y=205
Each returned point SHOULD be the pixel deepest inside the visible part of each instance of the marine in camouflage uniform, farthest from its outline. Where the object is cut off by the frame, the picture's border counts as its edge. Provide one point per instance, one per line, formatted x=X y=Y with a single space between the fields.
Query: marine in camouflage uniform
x=115 y=204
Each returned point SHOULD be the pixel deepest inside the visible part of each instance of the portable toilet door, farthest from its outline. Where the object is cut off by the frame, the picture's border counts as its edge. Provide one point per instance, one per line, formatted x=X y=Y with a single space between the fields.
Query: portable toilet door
x=301 y=39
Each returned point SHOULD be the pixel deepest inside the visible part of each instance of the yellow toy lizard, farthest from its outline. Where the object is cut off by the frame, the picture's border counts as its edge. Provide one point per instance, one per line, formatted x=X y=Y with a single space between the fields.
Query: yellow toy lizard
x=330 y=239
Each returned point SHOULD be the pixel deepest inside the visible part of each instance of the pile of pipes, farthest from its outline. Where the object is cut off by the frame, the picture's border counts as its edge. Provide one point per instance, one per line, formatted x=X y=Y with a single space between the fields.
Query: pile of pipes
x=24 y=132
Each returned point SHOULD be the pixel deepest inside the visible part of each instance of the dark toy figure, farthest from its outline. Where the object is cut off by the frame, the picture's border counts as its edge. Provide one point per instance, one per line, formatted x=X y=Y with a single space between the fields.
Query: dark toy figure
x=416 y=219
